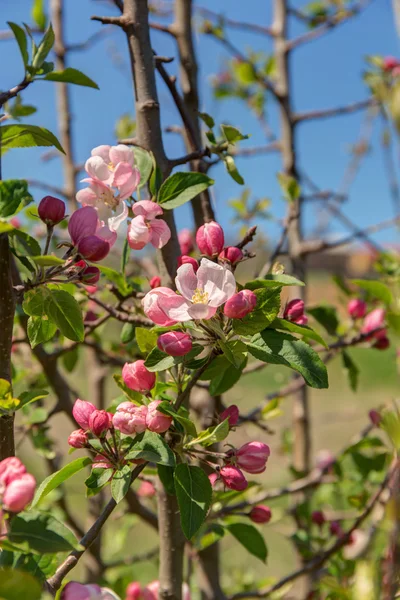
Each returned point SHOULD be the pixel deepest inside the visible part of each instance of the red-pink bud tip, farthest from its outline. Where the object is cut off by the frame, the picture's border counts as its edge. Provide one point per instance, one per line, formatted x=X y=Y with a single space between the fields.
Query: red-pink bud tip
x=175 y=343
x=51 y=210
x=260 y=514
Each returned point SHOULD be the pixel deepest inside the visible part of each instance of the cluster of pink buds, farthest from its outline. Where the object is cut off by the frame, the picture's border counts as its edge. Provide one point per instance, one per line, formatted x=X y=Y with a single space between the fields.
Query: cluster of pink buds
x=131 y=419
x=251 y=458
x=90 y=419
x=79 y=591
x=17 y=487
x=135 y=591
x=294 y=311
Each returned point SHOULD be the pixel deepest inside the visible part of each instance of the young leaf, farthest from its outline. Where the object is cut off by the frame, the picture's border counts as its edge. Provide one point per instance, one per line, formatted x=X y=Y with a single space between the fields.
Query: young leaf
x=232 y=170
x=193 y=491
x=22 y=42
x=232 y=135
x=71 y=76
x=98 y=478
x=55 y=479
x=41 y=532
x=32 y=396
x=272 y=280
x=152 y=447
x=182 y=187
x=44 y=48
x=187 y=424
x=38 y=14
x=250 y=538
x=289 y=186
x=166 y=475
x=303 y=330
x=128 y=333
x=376 y=289
x=27 y=136
x=160 y=361
x=136 y=397
x=117 y=278
x=146 y=339
x=278 y=348
x=207 y=119
x=144 y=164
x=120 y=483
x=351 y=369
x=63 y=309
x=212 y=435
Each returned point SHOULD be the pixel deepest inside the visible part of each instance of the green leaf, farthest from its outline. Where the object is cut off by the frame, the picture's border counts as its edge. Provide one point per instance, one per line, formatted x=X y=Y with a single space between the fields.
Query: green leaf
x=232 y=170
x=166 y=475
x=16 y=584
x=32 y=396
x=48 y=261
x=278 y=348
x=41 y=532
x=376 y=289
x=125 y=254
x=22 y=41
x=235 y=352
x=38 y=14
x=272 y=280
x=44 y=48
x=351 y=369
x=120 y=483
x=289 y=186
x=160 y=361
x=193 y=491
x=63 y=309
x=23 y=243
x=212 y=435
x=98 y=478
x=144 y=164
x=27 y=136
x=128 y=333
x=182 y=187
x=267 y=308
x=40 y=330
x=303 y=330
x=232 y=135
x=71 y=76
x=207 y=119
x=152 y=447
x=250 y=538
x=146 y=339
x=325 y=316
x=222 y=375
x=117 y=278
x=156 y=179
x=187 y=424
x=215 y=533
x=70 y=359
x=14 y=196
x=390 y=422
x=7 y=401
x=55 y=479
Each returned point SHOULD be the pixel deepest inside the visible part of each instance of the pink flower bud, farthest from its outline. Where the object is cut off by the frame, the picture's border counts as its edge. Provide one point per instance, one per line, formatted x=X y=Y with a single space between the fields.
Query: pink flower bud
x=213 y=477
x=375 y=417
x=210 y=238
x=19 y=493
x=15 y=222
x=382 y=343
x=93 y=248
x=175 y=343
x=137 y=377
x=11 y=468
x=146 y=490
x=154 y=303
x=184 y=260
x=99 y=422
x=232 y=414
x=294 y=310
x=78 y=439
x=233 y=478
x=78 y=591
x=150 y=592
x=101 y=462
x=185 y=239
x=90 y=274
x=241 y=304
x=130 y=418
x=231 y=254
x=252 y=457
x=389 y=63
x=260 y=514
x=373 y=322
x=318 y=517
x=325 y=459
x=356 y=308
x=155 y=282
x=155 y=420
x=82 y=411
x=335 y=528
x=51 y=210
x=133 y=591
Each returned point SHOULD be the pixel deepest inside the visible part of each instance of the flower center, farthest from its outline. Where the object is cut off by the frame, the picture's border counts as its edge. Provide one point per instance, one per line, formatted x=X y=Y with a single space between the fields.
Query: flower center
x=109 y=199
x=199 y=297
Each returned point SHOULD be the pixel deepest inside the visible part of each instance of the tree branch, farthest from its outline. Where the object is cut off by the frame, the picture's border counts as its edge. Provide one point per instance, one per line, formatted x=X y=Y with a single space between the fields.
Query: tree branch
x=334 y=112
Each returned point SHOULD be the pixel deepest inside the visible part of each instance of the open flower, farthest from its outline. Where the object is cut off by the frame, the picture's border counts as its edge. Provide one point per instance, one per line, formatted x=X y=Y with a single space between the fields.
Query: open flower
x=145 y=228
x=201 y=293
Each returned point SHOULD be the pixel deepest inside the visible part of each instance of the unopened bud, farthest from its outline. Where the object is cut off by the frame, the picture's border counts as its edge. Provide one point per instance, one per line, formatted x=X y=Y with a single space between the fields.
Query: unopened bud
x=210 y=238
x=51 y=210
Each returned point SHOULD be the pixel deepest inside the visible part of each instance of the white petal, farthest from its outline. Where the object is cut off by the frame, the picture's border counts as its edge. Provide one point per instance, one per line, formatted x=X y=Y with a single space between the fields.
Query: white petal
x=186 y=280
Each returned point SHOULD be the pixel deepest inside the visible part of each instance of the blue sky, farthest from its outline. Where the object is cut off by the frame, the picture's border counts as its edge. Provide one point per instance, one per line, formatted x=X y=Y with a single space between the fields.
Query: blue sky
x=326 y=73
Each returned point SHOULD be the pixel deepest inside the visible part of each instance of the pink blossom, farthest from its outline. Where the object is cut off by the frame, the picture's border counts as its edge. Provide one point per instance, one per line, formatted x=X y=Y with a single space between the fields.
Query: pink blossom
x=146 y=490
x=78 y=439
x=175 y=343
x=240 y=304
x=11 y=468
x=19 y=493
x=252 y=457
x=133 y=591
x=201 y=293
x=356 y=308
x=232 y=414
x=154 y=302
x=145 y=228
x=137 y=377
x=130 y=418
x=184 y=260
x=233 y=478
x=51 y=210
x=210 y=238
x=374 y=322
x=78 y=591
x=92 y=238
x=260 y=514
x=185 y=239
x=155 y=282
x=294 y=312
x=231 y=254
x=99 y=422
x=150 y=592
x=81 y=412
x=155 y=420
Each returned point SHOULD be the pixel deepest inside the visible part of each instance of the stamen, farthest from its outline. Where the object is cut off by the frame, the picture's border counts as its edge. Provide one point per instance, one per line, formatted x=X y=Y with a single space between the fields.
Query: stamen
x=200 y=296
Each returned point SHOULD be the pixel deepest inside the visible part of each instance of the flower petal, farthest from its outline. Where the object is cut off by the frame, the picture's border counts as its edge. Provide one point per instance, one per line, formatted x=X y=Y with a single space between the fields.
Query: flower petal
x=102 y=151
x=115 y=222
x=218 y=281
x=160 y=233
x=83 y=222
x=97 y=169
x=138 y=233
x=87 y=197
x=126 y=179
x=177 y=308
x=201 y=311
x=147 y=209
x=152 y=305
x=107 y=235
x=186 y=280
x=122 y=154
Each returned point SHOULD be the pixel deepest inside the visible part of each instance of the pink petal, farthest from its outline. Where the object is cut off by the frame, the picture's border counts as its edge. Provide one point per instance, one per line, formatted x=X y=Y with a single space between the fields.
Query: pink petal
x=115 y=222
x=152 y=305
x=219 y=282
x=122 y=154
x=201 y=311
x=83 y=222
x=147 y=209
x=186 y=280
x=138 y=233
x=177 y=308
x=126 y=179
x=160 y=233
x=97 y=168
x=102 y=151
x=87 y=197
x=107 y=234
